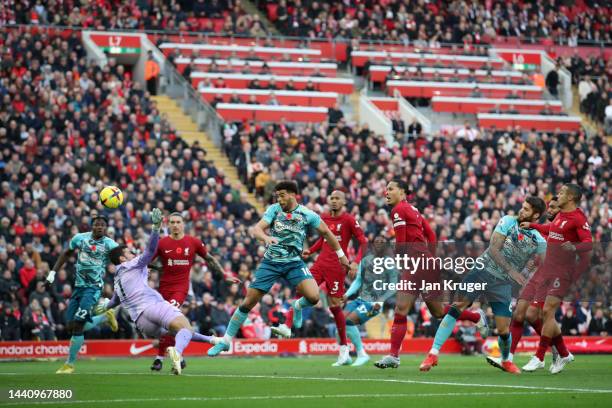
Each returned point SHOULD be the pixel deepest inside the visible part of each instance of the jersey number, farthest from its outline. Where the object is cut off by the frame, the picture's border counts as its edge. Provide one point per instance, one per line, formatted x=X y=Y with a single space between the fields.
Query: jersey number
x=362 y=309
x=335 y=287
x=556 y=283
x=81 y=313
x=174 y=303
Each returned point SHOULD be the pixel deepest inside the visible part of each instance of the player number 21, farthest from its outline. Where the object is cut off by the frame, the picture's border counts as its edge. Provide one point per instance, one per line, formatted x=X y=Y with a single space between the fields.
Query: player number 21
x=306 y=272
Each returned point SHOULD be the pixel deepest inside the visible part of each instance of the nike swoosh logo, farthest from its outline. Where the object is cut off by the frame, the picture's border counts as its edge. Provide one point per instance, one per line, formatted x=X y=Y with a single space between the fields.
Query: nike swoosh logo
x=168 y=250
x=138 y=350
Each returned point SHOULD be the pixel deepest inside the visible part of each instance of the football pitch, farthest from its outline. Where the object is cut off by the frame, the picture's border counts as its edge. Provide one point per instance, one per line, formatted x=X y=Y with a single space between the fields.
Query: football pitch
x=311 y=382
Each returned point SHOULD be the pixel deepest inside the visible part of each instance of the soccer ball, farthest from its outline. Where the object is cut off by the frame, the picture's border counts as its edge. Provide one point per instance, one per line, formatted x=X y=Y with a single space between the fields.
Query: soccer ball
x=111 y=197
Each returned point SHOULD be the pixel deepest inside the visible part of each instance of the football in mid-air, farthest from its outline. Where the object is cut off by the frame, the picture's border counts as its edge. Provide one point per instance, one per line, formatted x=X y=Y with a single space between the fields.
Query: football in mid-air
x=111 y=197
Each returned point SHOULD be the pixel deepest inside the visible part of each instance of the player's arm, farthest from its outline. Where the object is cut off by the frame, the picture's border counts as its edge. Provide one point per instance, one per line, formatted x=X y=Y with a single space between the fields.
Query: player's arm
x=430 y=235
x=361 y=239
x=583 y=247
x=258 y=232
x=543 y=229
x=356 y=284
x=63 y=258
x=331 y=240
x=316 y=247
x=495 y=250
x=151 y=248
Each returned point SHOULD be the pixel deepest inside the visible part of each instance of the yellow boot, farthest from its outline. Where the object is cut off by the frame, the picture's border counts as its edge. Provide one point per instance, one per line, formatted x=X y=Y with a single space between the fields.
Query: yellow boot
x=66 y=369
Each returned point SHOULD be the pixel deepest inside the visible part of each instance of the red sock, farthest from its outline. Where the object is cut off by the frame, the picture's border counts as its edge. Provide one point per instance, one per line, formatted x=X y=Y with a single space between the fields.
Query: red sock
x=537 y=326
x=340 y=323
x=398 y=331
x=558 y=342
x=289 y=321
x=465 y=315
x=165 y=341
x=542 y=347
x=516 y=329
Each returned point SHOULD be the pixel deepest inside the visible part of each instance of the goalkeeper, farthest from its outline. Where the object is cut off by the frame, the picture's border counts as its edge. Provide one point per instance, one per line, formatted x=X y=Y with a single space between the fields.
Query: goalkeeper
x=147 y=308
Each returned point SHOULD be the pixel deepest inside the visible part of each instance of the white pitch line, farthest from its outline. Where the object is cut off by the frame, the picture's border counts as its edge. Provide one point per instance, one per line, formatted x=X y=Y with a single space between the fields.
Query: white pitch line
x=386 y=380
x=285 y=397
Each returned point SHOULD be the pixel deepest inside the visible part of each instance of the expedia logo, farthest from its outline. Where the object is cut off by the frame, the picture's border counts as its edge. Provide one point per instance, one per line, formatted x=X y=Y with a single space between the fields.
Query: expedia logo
x=255 y=348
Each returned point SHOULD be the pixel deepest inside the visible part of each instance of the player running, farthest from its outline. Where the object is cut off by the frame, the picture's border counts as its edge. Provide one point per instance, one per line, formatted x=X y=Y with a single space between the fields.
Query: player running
x=530 y=302
x=328 y=270
x=288 y=222
x=510 y=249
x=152 y=314
x=177 y=253
x=568 y=235
x=414 y=237
x=370 y=301
x=93 y=249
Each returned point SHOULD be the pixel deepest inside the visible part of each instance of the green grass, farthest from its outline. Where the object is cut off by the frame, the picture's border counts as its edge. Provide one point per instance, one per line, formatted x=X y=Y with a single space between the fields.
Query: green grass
x=312 y=382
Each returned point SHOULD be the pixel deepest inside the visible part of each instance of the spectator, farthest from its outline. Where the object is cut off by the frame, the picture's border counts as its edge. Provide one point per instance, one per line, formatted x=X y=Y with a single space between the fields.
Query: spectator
x=334 y=115
x=9 y=323
x=151 y=72
x=597 y=327
x=552 y=81
x=36 y=323
x=569 y=323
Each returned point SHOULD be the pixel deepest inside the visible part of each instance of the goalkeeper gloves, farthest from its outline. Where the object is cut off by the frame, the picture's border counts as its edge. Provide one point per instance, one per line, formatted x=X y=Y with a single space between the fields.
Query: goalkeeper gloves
x=102 y=306
x=156 y=218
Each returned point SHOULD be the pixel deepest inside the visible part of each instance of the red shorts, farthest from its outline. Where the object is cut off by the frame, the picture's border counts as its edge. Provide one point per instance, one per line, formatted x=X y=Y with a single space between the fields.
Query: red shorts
x=174 y=296
x=425 y=283
x=532 y=292
x=332 y=276
x=557 y=285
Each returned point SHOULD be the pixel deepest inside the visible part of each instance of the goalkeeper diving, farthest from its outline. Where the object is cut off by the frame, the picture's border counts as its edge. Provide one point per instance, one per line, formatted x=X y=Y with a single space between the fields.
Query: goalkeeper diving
x=153 y=315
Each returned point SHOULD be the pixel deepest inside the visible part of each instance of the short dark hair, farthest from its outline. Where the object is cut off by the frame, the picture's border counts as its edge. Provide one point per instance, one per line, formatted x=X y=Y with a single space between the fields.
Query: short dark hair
x=99 y=217
x=402 y=185
x=538 y=205
x=575 y=191
x=176 y=214
x=115 y=253
x=290 y=186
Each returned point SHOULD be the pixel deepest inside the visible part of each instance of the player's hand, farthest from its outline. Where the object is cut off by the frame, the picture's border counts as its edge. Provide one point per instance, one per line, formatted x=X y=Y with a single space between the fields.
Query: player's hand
x=568 y=246
x=51 y=277
x=353 y=270
x=229 y=278
x=345 y=263
x=525 y=225
x=518 y=278
x=376 y=306
x=156 y=217
x=306 y=253
x=101 y=306
x=268 y=240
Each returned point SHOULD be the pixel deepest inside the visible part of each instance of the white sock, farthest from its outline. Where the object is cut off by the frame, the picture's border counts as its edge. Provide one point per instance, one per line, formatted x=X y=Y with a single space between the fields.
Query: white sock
x=434 y=351
x=362 y=353
x=227 y=338
x=510 y=357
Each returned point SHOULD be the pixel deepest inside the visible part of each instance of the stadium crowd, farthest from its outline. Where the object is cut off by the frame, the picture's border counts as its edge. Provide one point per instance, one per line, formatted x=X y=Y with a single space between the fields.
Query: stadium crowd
x=431 y=23
x=68 y=127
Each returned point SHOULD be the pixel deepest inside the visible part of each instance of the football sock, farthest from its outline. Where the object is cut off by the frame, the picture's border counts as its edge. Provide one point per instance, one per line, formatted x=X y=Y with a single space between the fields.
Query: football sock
x=558 y=342
x=182 y=339
x=445 y=329
x=340 y=323
x=352 y=332
x=465 y=315
x=302 y=303
x=95 y=321
x=236 y=321
x=516 y=329
x=289 y=319
x=542 y=347
x=75 y=345
x=200 y=338
x=398 y=331
x=165 y=341
x=504 y=341
x=537 y=326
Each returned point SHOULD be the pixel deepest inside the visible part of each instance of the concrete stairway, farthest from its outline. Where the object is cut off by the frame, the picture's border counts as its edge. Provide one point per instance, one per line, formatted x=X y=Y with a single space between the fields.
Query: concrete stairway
x=188 y=130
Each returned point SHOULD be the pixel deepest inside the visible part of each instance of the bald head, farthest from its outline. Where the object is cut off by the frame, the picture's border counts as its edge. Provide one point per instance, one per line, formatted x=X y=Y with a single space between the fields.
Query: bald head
x=336 y=201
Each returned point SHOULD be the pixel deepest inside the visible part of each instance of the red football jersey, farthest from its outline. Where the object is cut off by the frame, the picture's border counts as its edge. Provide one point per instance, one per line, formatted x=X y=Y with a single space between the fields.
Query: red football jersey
x=409 y=225
x=571 y=227
x=177 y=256
x=344 y=227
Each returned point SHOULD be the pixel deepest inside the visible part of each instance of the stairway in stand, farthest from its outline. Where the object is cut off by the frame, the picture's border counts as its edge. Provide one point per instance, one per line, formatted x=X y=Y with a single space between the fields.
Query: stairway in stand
x=188 y=130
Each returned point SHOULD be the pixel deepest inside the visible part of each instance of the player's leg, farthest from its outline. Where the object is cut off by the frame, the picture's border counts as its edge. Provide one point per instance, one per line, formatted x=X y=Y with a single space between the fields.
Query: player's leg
x=165 y=340
x=253 y=297
x=335 y=307
x=550 y=329
x=439 y=310
x=517 y=324
x=360 y=313
x=300 y=277
x=404 y=303
x=444 y=331
x=503 y=316
x=77 y=314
